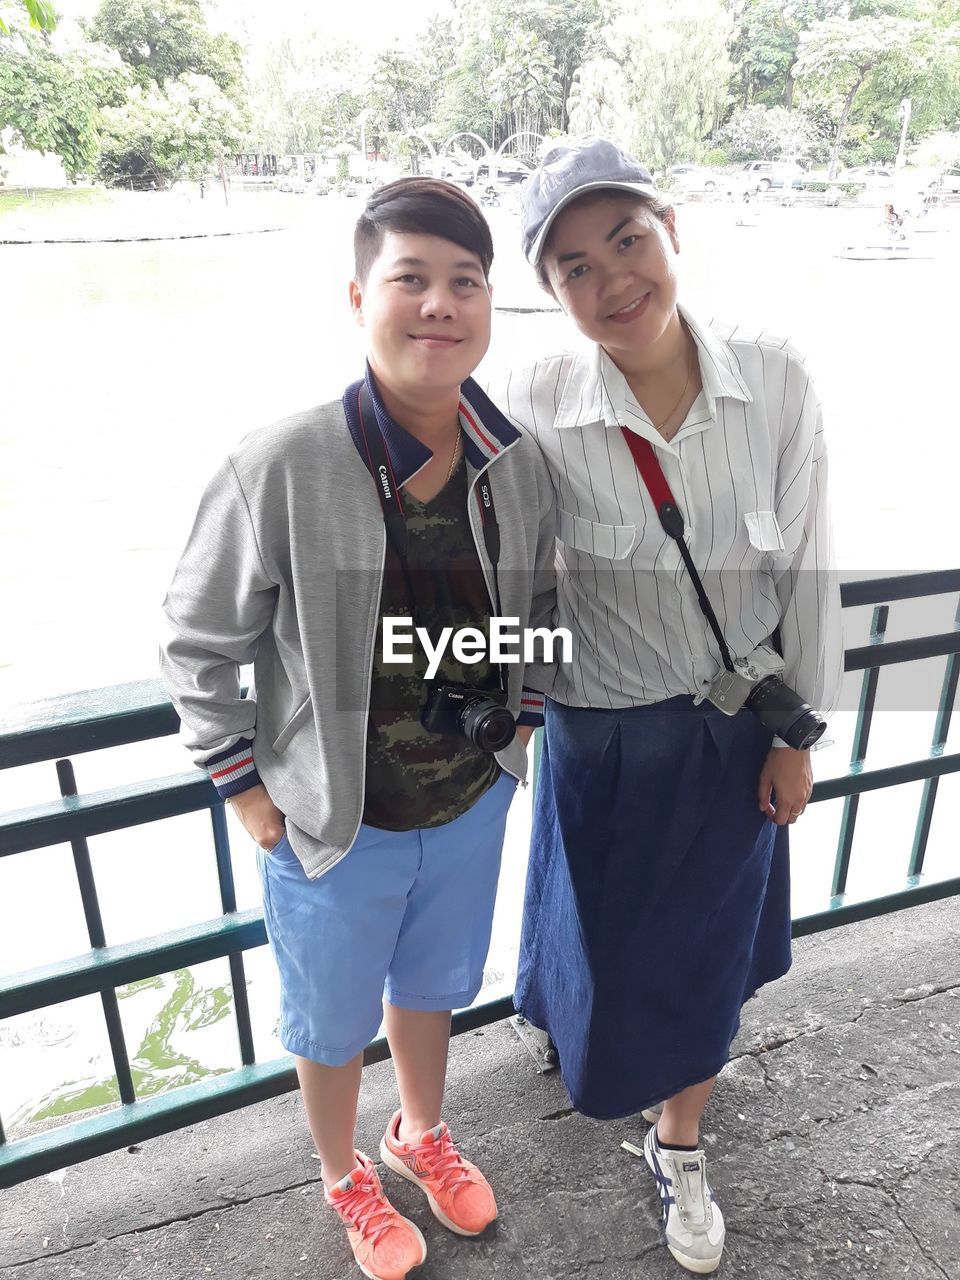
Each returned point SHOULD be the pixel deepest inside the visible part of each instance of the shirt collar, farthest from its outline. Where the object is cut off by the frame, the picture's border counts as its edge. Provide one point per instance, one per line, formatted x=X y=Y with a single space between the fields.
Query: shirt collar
x=594 y=389
x=486 y=432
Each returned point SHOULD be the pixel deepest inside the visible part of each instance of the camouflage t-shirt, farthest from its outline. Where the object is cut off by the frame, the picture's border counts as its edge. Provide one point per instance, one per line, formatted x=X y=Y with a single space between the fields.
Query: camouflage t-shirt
x=416 y=778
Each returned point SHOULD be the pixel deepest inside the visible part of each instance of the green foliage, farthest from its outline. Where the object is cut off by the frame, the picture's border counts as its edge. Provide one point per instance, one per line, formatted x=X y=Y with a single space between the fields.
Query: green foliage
x=844 y=62
x=41 y=14
x=185 y=108
x=162 y=39
x=306 y=95
x=52 y=101
x=161 y=135
x=768 y=133
x=675 y=74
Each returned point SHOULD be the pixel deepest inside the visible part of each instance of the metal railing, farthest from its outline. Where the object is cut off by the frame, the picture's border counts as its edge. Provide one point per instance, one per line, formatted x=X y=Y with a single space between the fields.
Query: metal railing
x=138 y=712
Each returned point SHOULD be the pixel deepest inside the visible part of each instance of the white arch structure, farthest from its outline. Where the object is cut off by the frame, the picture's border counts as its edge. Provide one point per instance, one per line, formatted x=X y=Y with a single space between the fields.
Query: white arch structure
x=422 y=137
x=538 y=138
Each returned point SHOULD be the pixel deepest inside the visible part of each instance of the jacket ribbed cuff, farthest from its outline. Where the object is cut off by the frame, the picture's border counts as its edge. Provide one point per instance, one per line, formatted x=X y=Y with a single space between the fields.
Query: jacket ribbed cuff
x=233 y=770
x=531 y=708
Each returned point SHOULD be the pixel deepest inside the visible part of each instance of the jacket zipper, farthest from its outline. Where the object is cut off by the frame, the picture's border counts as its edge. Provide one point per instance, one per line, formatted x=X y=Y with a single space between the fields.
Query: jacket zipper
x=366 y=712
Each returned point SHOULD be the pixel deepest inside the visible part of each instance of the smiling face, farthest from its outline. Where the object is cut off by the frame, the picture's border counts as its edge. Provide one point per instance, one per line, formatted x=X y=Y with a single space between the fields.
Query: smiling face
x=425 y=307
x=611 y=263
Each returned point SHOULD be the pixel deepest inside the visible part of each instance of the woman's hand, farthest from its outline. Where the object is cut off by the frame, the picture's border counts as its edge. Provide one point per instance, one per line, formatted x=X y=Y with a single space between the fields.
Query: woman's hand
x=261 y=817
x=787 y=778
x=525 y=732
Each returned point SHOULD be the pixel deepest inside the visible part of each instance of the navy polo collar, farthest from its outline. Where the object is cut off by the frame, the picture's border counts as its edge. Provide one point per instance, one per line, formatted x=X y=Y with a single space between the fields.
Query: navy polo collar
x=486 y=432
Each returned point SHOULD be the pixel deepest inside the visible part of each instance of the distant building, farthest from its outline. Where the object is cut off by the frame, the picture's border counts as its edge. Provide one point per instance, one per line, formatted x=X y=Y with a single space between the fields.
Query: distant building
x=255 y=164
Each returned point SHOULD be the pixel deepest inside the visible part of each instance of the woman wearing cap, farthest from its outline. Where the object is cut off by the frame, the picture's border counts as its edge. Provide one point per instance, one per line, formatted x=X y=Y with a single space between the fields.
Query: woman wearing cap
x=658 y=892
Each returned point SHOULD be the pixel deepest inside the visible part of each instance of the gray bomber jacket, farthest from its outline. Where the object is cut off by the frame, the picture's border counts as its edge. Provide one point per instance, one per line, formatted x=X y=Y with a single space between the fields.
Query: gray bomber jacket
x=283 y=570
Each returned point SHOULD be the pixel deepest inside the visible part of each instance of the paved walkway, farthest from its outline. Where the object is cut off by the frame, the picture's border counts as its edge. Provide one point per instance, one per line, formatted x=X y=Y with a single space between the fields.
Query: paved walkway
x=833 y=1135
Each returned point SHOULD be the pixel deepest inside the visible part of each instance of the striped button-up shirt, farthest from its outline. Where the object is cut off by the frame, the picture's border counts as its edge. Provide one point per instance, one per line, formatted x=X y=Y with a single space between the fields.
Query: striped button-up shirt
x=748 y=469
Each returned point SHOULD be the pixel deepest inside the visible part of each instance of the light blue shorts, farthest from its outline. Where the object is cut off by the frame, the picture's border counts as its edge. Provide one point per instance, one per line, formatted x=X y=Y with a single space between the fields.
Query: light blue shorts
x=405 y=914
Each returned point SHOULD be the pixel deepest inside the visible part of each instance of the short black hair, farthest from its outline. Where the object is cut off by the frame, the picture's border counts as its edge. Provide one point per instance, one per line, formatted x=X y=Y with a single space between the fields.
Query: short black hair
x=421 y=206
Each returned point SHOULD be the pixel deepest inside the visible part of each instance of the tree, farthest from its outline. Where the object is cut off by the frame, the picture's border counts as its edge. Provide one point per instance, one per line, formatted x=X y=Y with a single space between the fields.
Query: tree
x=307 y=95
x=41 y=13
x=515 y=61
x=676 y=71
x=768 y=133
x=598 y=101
x=52 y=101
x=160 y=135
x=525 y=84
x=161 y=39
x=764 y=49
x=837 y=57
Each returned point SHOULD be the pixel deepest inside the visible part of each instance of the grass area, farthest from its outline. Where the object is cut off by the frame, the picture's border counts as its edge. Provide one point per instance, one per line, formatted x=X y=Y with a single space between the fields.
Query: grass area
x=48 y=200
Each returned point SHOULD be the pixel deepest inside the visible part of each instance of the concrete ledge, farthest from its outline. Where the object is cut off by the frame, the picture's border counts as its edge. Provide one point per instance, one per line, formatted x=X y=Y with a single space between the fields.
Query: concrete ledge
x=833 y=1136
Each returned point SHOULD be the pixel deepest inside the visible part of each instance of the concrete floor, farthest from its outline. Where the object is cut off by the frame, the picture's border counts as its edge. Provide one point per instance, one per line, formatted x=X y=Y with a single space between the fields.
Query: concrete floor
x=833 y=1139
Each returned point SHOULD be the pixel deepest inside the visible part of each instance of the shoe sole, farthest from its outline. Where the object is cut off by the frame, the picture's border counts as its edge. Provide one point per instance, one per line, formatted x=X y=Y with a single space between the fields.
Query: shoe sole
x=393 y=1162
x=416 y=1266
x=699 y=1266
x=652 y=1114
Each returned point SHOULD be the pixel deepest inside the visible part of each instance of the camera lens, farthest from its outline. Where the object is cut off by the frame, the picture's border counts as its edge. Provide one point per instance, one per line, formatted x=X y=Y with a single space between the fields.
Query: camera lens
x=487 y=725
x=785 y=713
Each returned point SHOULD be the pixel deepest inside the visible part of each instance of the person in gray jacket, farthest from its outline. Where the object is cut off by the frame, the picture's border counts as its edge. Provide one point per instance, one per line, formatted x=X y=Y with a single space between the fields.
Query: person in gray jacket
x=378 y=797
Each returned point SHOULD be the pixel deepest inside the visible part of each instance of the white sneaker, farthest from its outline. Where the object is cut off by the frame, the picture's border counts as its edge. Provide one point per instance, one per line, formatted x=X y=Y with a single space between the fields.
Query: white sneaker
x=653 y=1114
x=692 y=1222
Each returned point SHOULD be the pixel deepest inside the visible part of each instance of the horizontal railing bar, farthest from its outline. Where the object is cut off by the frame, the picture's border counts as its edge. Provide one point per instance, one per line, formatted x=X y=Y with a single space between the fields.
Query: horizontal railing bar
x=130 y=805
x=901 y=586
x=109 y=1131
x=109 y=967
x=855 y=912
x=85 y=721
x=894 y=776
x=893 y=651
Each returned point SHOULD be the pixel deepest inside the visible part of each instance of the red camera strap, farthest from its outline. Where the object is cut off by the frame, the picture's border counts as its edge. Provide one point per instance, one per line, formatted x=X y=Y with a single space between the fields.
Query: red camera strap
x=644 y=455
x=671 y=519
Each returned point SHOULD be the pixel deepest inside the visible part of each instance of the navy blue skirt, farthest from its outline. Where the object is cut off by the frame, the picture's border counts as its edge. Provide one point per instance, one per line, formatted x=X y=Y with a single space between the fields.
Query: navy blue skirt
x=657 y=901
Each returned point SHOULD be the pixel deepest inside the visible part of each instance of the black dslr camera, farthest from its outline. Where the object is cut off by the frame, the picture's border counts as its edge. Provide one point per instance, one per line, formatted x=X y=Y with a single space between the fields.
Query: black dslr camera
x=758 y=686
x=479 y=714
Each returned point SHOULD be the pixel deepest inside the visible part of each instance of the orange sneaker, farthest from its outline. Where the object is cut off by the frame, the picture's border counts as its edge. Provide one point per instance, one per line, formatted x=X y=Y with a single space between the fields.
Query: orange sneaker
x=385 y=1245
x=459 y=1194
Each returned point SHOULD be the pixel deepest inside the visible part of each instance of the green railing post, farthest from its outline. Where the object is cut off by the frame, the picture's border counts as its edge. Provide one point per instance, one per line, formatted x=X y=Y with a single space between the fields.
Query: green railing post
x=861 y=740
x=948 y=694
x=91 y=912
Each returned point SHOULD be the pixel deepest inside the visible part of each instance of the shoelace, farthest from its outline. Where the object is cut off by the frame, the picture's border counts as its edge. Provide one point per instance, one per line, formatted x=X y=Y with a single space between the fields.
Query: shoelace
x=362 y=1207
x=443 y=1161
x=691 y=1186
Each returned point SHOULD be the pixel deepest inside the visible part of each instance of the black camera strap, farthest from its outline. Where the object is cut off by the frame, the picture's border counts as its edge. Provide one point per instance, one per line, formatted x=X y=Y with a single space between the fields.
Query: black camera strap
x=671 y=518
x=394 y=514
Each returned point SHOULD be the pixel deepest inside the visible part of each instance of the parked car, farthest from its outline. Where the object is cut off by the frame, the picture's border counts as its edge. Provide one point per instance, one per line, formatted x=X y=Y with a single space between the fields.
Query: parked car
x=684 y=178
x=322 y=186
x=292 y=184
x=509 y=172
x=872 y=175
x=764 y=175
x=948 y=184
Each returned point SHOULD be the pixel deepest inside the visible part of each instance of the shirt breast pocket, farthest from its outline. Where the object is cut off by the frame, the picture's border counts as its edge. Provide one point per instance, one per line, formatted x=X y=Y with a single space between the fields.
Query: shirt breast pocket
x=763 y=531
x=606 y=541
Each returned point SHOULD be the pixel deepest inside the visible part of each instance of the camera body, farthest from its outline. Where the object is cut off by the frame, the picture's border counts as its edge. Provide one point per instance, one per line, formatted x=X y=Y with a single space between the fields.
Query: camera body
x=479 y=715
x=757 y=684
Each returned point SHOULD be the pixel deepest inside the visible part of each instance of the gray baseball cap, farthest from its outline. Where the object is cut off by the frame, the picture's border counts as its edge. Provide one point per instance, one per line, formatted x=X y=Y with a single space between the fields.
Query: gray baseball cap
x=566 y=172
